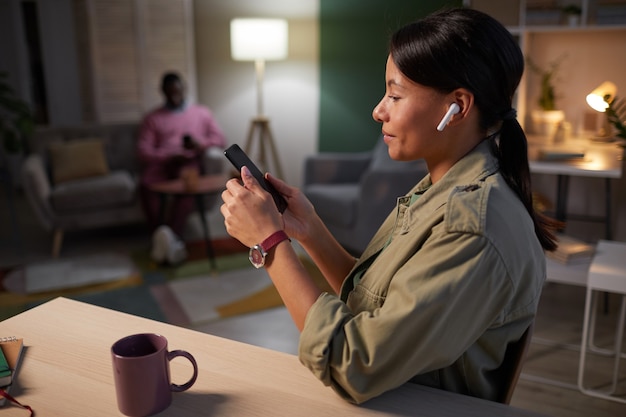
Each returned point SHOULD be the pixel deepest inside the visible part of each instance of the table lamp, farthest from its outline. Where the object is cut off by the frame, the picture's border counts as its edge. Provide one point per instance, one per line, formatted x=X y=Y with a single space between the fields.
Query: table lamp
x=259 y=40
x=600 y=99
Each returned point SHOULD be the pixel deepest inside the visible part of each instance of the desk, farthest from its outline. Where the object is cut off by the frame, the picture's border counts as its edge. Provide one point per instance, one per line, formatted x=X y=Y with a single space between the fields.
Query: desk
x=66 y=371
x=206 y=185
x=602 y=160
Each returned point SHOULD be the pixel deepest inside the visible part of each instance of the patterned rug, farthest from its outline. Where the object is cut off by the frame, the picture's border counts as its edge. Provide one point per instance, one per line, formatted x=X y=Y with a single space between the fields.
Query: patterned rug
x=185 y=294
x=206 y=298
x=128 y=293
x=202 y=299
x=68 y=273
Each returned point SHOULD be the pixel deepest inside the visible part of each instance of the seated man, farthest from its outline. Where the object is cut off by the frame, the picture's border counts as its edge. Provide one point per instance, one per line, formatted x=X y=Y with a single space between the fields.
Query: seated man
x=173 y=137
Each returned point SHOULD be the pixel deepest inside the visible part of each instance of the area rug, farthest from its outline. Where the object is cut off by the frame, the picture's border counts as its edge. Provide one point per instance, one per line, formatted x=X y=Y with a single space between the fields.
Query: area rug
x=17 y=295
x=69 y=273
x=203 y=299
x=183 y=294
x=130 y=294
x=207 y=298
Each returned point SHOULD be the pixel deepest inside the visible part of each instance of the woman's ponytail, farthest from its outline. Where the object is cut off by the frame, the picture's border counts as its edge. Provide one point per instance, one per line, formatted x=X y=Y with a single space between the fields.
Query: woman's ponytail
x=512 y=152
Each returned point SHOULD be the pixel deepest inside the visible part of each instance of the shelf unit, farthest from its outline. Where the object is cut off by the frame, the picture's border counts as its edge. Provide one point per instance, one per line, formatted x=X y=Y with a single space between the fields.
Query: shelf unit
x=593 y=47
x=523 y=15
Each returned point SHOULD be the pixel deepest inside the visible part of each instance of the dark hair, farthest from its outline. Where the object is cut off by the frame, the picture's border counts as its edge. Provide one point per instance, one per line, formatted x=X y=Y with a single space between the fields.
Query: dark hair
x=465 y=48
x=170 y=77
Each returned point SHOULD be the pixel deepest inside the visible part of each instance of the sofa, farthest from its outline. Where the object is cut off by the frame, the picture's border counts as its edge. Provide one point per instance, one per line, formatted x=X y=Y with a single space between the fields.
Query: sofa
x=86 y=177
x=354 y=192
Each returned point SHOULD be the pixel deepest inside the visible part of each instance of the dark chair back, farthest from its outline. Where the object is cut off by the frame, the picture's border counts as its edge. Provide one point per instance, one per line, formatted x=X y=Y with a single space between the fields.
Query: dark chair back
x=514 y=360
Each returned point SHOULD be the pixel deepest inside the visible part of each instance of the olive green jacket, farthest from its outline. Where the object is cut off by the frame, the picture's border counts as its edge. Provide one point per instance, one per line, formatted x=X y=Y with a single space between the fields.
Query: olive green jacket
x=460 y=279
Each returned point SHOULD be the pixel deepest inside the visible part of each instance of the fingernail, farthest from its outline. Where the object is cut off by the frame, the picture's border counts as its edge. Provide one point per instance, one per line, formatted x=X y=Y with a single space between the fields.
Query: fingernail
x=246 y=172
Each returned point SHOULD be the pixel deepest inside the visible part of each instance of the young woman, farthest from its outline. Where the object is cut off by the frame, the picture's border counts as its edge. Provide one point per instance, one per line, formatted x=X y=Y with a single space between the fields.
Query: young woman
x=455 y=272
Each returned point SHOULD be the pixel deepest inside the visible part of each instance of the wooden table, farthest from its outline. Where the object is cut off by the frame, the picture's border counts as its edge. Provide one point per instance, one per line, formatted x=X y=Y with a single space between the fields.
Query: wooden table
x=66 y=371
x=601 y=160
x=206 y=185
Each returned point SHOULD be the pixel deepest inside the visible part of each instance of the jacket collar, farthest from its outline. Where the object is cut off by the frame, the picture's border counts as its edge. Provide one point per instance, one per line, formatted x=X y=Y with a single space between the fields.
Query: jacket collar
x=470 y=170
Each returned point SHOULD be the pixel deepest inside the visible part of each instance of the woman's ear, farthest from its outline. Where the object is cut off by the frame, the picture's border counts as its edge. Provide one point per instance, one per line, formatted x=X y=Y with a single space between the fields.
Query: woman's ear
x=465 y=100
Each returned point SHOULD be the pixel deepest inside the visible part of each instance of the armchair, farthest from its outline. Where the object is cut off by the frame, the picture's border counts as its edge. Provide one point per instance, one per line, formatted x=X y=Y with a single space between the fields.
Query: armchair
x=100 y=200
x=354 y=192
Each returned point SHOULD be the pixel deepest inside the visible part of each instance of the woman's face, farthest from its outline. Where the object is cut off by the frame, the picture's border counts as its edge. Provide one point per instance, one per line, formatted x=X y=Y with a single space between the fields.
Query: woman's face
x=409 y=113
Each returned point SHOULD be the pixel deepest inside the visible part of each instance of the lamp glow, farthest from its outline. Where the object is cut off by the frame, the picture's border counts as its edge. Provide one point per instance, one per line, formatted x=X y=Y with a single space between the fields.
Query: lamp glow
x=260 y=40
x=600 y=99
x=601 y=96
x=253 y=39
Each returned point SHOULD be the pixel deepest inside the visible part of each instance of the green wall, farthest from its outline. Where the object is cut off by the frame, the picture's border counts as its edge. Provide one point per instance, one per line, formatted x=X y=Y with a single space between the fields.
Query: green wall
x=353 y=52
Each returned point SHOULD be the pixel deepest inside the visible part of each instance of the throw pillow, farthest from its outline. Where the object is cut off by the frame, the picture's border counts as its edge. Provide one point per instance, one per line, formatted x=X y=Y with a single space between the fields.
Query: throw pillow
x=76 y=159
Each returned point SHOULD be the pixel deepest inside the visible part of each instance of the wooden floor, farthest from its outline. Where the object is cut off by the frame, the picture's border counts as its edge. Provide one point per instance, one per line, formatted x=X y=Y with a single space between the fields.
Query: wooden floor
x=559 y=319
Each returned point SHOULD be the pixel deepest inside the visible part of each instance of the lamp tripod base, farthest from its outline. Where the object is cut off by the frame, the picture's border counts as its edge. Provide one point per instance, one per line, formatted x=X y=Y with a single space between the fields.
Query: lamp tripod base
x=260 y=129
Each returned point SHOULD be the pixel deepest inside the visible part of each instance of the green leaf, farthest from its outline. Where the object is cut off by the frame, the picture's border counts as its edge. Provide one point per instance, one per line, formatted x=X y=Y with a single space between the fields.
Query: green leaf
x=616 y=114
x=12 y=142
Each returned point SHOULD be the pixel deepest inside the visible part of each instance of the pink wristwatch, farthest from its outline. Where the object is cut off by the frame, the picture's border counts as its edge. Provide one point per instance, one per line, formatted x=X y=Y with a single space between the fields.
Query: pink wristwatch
x=258 y=252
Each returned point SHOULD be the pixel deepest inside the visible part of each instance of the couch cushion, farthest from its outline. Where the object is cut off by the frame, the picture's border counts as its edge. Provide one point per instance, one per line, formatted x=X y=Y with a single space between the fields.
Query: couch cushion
x=111 y=190
x=77 y=159
x=336 y=203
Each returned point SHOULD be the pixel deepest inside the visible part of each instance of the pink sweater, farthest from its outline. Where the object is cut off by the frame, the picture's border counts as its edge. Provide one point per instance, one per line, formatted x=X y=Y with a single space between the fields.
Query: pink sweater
x=161 y=137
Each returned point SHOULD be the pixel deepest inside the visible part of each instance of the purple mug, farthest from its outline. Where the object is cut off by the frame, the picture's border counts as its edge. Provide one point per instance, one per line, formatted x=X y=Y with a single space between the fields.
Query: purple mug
x=141 y=370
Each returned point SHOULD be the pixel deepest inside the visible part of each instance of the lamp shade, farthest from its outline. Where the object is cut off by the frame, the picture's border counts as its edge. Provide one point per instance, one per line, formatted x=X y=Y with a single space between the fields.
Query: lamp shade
x=258 y=39
x=596 y=99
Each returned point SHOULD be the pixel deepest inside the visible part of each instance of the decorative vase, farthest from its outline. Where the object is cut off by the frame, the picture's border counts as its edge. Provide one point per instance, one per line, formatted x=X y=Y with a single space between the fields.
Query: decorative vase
x=545 y=122
x=573 y=20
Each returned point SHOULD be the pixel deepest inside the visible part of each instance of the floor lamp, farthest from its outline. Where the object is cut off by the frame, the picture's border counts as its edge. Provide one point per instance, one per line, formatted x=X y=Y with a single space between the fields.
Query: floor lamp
x=260 y=40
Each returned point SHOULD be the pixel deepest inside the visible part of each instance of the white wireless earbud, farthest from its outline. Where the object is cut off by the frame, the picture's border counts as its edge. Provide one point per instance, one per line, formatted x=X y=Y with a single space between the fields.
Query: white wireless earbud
x=452 y=110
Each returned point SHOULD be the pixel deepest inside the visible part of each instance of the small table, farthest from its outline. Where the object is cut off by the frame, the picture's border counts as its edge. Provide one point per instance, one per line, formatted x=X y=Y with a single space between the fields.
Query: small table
x=68 y=373
x=205 y=186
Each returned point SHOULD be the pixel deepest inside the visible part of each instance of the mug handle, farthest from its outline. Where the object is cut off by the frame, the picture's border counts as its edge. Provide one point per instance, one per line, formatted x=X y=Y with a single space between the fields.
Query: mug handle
x=175 y=353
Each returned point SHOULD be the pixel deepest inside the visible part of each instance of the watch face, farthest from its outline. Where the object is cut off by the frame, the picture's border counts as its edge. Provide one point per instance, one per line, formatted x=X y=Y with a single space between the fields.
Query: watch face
x=256 y=257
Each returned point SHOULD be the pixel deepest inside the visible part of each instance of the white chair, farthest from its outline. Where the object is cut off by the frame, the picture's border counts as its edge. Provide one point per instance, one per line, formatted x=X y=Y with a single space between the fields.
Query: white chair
x=606 y=274
x=558 y=273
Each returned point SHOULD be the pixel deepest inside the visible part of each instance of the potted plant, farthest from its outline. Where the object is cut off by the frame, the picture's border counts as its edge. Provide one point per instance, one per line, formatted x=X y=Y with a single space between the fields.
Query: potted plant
x=16 y=122
x=547 y=117
x=572 y=12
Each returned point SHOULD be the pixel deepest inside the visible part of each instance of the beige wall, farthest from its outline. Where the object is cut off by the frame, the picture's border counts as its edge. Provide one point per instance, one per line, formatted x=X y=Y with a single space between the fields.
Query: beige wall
x=291 y=88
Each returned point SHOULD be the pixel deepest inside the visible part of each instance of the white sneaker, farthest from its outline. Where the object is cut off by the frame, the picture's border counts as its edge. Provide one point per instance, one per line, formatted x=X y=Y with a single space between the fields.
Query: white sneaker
x=166 y=247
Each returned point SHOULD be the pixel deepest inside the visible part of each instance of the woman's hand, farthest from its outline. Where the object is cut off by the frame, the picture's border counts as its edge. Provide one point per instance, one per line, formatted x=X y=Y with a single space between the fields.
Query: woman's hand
x=300 y=214
x=250 y=214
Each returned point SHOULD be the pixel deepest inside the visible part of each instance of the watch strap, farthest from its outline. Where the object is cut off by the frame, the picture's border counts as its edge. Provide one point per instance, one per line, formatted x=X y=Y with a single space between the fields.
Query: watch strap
x=273 y=240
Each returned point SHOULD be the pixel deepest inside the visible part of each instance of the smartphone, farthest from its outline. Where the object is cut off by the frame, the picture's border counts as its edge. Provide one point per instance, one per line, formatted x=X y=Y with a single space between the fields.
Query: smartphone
x=187 y=142
x=238 y=158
